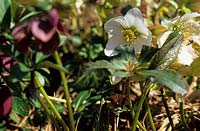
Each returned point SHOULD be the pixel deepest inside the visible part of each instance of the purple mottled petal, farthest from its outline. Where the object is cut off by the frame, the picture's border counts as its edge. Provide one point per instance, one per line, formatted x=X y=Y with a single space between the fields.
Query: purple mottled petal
x=53 y=17
x=42 y=30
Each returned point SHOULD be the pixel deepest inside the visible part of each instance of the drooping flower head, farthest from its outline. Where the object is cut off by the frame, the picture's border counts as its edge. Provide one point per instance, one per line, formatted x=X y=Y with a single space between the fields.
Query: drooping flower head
x=42 y=30
x=190 y=30
x=128 y=30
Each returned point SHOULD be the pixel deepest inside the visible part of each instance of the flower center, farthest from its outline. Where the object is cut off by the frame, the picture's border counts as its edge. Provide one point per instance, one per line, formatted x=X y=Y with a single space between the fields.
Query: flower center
x=130 y=67
x=178 y=26
x=130 y=34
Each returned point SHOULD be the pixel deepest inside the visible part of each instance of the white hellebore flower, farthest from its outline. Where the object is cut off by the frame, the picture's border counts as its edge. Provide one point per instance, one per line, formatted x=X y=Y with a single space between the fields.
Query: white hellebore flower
x=127 y=30
x=191 y=31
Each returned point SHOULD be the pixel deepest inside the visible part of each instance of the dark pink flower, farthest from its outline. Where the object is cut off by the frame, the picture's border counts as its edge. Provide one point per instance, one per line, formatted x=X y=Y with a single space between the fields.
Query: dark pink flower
x=42 y=31
x=22 y=35
x=5 y=101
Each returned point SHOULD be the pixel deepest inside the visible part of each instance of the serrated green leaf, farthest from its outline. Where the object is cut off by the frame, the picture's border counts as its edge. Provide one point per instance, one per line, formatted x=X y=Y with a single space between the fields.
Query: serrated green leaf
x=169 y=78
x=80 y=98
x=100 y=64
x=20 y=106
x=195 y=67
x=121 y=74
x=124 y=53
x=119 y=62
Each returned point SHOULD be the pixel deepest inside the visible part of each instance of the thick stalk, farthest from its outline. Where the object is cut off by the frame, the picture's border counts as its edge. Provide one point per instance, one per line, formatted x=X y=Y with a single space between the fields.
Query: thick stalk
x=131 y=108
x=38 y=84
x=66 y=91
x=139 y=106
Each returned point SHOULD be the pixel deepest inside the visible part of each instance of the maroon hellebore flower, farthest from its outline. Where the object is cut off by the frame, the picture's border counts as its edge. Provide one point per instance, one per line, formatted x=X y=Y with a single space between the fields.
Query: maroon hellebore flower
x=5 y=101
x=43 y=32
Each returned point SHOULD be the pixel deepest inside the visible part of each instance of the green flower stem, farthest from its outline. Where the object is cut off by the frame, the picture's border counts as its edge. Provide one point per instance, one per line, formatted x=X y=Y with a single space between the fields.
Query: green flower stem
x=139 y=106
x=131 y=108
x=49 y=113
x=184 y=122
x=66 y=91
x=150 y=116
x=38 y=84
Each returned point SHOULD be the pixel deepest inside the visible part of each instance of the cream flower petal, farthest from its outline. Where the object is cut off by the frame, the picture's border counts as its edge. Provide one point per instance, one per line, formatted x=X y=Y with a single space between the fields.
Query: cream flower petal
x=168 y=23
x=114 y=25
x=189 y=16
x=132 y=15
x=186 y=55
x=140 y=41
x=196 y=39
x=165 y=23
x=134 y=18
x=113 y=42
x=141 y=27
x=162 y=38
x=123 y=22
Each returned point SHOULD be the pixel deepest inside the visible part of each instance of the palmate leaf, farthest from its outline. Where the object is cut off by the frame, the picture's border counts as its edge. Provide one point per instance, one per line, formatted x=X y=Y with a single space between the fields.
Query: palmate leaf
x=169 y=78
x=101 y=64
x=116 y=63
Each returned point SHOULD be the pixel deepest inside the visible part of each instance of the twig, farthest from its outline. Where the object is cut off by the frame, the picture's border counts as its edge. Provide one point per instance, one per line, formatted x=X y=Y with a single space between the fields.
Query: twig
x=55 y=99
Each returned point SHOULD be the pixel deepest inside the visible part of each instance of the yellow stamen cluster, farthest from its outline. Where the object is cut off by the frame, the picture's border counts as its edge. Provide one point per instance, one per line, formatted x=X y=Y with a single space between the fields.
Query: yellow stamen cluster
x=130 y=34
